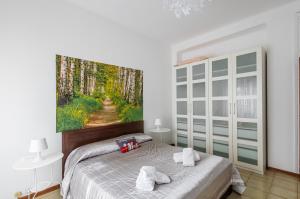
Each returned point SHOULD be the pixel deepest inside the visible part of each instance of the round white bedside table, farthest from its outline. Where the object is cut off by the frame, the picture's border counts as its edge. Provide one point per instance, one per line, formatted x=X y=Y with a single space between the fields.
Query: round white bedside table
x=161 y=131
x=26 y=163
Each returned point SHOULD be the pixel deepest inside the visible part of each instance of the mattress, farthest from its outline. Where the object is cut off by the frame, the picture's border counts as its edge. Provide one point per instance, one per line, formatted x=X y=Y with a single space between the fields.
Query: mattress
x=113 y=175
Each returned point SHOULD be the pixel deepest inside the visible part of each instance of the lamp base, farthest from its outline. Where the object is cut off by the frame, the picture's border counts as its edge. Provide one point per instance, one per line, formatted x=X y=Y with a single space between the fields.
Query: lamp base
x=38 y=157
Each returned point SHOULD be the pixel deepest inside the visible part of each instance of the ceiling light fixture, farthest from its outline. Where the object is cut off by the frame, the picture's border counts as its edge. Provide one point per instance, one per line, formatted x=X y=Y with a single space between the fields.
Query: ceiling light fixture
x=184 y=7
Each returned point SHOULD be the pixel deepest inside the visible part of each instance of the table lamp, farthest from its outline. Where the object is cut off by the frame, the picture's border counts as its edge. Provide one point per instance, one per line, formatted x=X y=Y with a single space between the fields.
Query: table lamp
x=37 y=146
x=157 y=123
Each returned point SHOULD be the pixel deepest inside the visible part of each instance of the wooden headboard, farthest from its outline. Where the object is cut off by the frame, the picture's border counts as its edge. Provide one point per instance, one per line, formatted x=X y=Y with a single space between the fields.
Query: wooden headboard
x=74 y=139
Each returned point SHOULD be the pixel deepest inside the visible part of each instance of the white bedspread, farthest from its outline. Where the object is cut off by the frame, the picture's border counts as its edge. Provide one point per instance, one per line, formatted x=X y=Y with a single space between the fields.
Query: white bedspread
x=112 y=175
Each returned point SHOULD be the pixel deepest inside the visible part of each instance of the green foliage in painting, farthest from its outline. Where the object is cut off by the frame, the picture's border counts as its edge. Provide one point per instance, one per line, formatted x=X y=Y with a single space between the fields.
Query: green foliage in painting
x=69 y=117
x=87 y=104
x=90 y=94
x=128 y=112
x=131 y=113
x=120 y=102
x=75 y=114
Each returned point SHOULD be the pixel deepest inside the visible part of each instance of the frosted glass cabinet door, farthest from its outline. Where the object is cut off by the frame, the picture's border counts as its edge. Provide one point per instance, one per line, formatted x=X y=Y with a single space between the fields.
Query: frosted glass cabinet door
x=182 y=103
x=199 y=106
x=220 y=107
x=245 y=99
x=248 y=109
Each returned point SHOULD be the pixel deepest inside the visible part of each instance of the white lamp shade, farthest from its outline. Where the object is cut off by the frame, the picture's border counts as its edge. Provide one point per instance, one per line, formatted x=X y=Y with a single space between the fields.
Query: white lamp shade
x=38 y=145
x=157 y=122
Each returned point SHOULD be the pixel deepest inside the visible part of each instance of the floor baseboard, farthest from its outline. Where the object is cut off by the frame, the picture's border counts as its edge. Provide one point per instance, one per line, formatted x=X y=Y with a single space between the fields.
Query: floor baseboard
x=285 y=172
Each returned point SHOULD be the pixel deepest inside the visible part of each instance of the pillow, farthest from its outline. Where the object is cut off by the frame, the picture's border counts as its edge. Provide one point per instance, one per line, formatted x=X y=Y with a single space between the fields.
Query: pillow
x=127 y=144
x=141 y=137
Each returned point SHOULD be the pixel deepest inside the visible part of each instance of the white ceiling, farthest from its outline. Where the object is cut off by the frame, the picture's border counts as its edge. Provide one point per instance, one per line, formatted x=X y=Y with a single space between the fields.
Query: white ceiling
x=148 y=17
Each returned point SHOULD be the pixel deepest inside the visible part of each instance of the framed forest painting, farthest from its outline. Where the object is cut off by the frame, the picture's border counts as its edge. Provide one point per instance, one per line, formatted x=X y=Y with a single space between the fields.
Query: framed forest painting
x=91 y=94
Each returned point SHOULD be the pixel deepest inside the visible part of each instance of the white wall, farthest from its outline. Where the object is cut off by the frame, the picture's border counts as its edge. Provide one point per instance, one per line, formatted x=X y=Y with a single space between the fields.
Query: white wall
x=31 y=33
x=276 y=31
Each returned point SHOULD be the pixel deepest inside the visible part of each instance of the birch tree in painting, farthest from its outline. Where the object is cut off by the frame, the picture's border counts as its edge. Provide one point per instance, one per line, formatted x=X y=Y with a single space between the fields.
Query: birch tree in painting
x=91 y=94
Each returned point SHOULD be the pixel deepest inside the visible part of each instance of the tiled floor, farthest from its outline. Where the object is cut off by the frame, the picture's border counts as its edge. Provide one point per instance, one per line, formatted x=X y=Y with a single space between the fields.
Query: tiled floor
x=52 y=195
x=272 y=185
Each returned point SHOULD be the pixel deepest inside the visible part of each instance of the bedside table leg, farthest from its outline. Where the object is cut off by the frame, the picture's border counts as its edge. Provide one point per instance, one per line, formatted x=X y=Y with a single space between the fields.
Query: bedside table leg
x=35 y=180
x=51 y=174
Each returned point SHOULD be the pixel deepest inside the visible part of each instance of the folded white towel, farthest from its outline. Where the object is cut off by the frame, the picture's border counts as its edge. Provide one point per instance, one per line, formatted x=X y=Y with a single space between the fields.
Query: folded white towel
x=161 y=178
x=148 y=176
x=178 y=157
x=188 y=157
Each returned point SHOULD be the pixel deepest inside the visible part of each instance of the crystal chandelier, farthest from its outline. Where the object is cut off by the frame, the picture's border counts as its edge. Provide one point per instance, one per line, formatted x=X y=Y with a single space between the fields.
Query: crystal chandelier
x=184 y=7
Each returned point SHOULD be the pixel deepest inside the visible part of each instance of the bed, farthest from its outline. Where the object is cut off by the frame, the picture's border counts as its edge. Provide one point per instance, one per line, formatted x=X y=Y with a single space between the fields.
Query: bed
x=91 y=173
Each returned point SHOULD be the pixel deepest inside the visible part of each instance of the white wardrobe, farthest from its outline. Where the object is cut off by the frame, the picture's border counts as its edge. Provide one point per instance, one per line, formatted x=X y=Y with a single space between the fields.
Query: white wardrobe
x=219 y=107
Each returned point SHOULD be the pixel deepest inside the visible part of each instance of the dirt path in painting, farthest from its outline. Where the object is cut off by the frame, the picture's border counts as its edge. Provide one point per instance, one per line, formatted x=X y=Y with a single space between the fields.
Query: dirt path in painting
x=108 y=115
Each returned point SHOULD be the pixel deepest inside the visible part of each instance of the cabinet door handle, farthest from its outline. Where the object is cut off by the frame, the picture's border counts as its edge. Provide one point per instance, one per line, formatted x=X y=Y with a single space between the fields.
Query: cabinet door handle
x=233 y=108
x=229 y=108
